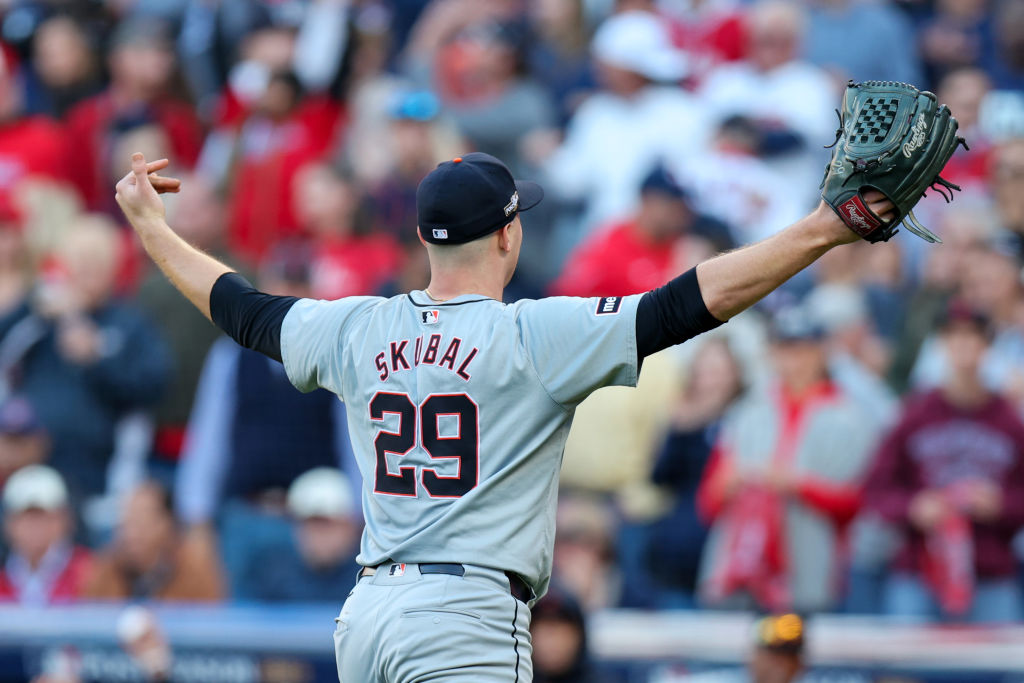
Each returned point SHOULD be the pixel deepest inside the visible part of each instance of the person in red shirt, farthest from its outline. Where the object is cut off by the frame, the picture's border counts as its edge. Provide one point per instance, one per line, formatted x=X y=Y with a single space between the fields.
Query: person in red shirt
x=43 y=566
x=950 y=476
x=641 y=252
x=264 y=151
x=346 y=261
x=141 y=63
x=30 y=146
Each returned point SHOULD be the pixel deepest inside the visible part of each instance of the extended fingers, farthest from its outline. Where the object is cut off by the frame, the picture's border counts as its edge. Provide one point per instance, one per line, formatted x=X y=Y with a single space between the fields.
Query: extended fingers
x=164 y=184
x=157 y=165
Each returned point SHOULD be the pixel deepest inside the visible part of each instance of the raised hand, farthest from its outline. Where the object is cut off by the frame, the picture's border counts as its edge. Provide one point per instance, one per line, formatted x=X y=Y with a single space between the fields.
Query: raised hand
x=875 y=200
x=138 y=193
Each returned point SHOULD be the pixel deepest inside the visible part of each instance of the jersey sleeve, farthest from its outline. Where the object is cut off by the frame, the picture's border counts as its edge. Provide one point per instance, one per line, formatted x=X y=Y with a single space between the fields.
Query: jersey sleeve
x=312 y=340
x=579 y=345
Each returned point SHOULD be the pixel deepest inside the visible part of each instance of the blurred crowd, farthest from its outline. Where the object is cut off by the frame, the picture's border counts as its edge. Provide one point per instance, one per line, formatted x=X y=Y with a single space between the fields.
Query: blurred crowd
x=853 y=444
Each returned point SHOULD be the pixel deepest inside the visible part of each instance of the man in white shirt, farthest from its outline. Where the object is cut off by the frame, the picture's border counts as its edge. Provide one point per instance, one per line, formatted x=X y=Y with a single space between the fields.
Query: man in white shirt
x=792 y=101
x=640 y=117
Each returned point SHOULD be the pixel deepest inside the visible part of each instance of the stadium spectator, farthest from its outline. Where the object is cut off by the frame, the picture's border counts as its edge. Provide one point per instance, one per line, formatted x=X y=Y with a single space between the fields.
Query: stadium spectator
x=792 y=101
x=212 y=46
x=318 y=564
x=664 y=237
x=638 y=117
x=144 y=641
x=84 y=359
x=43 y=566
x=412 y=141
x=950 y=475
x=965 y=228
x=584 y=553
x=857 y=358
x=964 y=90
x=23 y=441
x=64 y=69
x=955 y=35
x=395 y=127
x=990 y=283
x=16 y=270
x=670 y=554
x=557 y=52
x=777 y=493
x=1007 y=175
x=711 y=32
x=151 y=559
x=732 y=184
x=558 y=631
x=268 y=126
x=251 y=434
x=142 y=63
x=476 y=62
x=200 y=213
x=777 y=655
x=1004 y=58
x=347 y=257
x=31 y=146
x=257 y=153
x=880 y=51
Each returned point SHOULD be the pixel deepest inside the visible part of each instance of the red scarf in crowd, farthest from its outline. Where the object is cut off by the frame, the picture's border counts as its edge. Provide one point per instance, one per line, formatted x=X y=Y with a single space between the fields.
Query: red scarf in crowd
x=753 y=549
x=949 y=563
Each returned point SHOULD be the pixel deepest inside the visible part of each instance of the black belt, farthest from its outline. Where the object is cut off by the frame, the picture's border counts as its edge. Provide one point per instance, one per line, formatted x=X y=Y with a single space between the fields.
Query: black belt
x=517 y=587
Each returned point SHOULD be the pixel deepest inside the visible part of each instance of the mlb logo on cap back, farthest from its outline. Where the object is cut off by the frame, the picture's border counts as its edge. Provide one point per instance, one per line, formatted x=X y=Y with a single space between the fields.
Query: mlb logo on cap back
x=470 y=197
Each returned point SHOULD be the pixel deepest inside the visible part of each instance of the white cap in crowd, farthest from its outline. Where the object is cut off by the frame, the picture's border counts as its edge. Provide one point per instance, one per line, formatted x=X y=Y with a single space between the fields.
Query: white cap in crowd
x=35 y=486
x=321 y=492
x=639 y=41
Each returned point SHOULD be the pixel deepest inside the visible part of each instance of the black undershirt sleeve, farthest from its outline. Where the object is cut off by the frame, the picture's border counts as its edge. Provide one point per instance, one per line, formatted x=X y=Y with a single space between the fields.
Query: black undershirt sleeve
x=672 y=314
x=247 y=315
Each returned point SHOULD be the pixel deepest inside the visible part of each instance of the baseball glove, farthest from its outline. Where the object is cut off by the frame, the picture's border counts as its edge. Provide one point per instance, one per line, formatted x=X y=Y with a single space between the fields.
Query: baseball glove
x=892 y=138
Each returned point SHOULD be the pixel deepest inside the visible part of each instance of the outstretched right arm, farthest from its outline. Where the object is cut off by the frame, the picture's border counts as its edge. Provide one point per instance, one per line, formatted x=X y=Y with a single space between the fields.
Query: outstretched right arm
x=190 y=270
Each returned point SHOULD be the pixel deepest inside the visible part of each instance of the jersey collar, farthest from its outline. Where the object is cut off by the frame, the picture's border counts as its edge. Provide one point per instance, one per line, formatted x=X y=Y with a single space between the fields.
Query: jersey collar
x=419 y=298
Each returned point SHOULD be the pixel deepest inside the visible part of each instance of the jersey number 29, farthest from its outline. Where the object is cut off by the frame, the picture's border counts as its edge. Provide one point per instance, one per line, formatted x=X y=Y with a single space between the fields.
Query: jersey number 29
x=465 y=446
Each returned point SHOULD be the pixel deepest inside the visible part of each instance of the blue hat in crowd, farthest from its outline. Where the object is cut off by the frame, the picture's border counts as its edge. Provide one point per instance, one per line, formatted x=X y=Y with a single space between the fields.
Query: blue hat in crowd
x=420 y=105
x=796 y=323
x=468 y=197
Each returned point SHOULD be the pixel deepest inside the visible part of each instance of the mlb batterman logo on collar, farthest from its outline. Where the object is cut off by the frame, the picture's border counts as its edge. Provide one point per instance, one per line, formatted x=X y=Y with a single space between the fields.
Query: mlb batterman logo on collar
x=469 y=197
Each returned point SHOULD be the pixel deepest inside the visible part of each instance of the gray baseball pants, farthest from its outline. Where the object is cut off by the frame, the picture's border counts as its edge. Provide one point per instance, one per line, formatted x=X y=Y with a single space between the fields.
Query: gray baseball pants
x=404 y=626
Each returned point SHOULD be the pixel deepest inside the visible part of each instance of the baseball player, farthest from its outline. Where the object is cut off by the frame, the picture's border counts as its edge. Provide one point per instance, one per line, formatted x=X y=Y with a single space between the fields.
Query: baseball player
x=459 y=405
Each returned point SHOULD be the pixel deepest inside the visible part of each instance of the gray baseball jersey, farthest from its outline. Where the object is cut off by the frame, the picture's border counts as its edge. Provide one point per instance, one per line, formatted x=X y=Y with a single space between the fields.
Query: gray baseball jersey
x=459 y=412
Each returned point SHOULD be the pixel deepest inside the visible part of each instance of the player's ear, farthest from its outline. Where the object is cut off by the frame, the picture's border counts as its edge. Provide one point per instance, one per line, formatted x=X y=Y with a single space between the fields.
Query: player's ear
x=420 y=235
x=505 y=238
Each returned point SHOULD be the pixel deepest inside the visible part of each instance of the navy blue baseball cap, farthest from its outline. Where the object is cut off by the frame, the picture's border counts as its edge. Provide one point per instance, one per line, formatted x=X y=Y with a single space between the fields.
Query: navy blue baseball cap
x=661 y=181
x=795 y=323
x=471 y=196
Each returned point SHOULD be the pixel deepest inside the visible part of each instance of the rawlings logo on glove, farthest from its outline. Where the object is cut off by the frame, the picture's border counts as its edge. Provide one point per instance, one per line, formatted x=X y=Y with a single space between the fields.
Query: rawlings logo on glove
x=919 y=132
x=856 y=215
x=892 y=138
